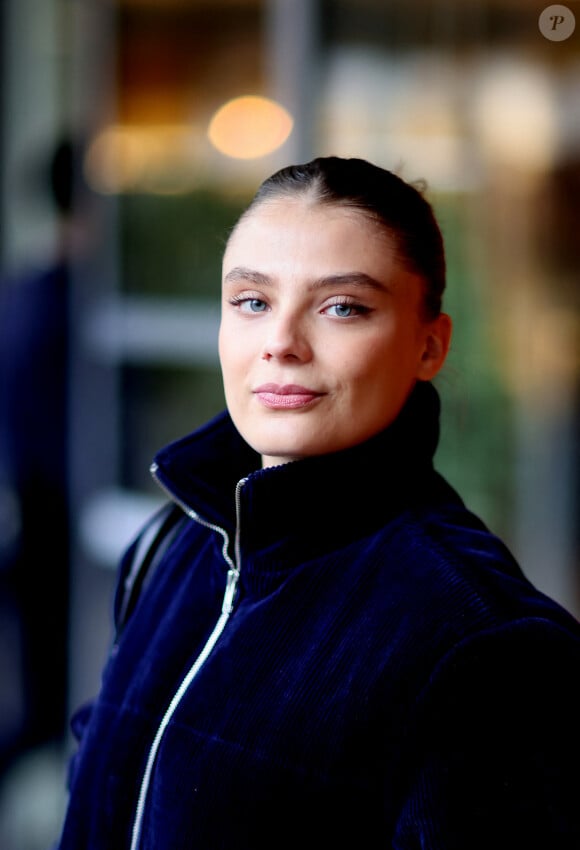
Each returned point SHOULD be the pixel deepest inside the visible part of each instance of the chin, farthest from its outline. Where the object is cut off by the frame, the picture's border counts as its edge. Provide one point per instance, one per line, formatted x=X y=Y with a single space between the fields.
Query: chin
x=284 y=453
x=274 y=437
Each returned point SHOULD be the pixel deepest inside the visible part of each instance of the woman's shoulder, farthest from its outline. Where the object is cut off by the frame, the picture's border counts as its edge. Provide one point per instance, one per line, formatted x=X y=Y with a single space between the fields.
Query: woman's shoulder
x=466 y=577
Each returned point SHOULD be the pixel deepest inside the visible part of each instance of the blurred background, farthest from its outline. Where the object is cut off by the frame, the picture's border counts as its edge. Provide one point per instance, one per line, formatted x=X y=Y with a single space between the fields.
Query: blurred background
x=132 y=133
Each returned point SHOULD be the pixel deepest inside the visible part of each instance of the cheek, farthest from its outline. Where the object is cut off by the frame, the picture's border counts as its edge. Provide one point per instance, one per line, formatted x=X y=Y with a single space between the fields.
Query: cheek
x=362 y=364
x=226 y=354
x=376 y=374
x=228 y=340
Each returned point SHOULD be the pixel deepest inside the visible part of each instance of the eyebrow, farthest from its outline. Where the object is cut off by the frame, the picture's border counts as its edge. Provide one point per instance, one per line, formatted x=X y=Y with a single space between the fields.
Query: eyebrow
x=354 y=278
x=241 y=273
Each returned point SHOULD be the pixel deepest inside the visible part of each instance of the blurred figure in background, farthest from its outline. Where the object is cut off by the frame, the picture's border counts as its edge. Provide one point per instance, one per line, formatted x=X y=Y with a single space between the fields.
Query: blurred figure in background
x=34 y=510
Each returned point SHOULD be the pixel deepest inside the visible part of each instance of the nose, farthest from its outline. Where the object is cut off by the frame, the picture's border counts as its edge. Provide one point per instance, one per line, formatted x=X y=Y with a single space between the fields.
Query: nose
x=286 y=339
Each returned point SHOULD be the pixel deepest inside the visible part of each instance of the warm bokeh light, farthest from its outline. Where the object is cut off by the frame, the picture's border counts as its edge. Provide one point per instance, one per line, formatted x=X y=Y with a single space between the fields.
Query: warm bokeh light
x=249 y=127
x=157 y=159
x=514 y=107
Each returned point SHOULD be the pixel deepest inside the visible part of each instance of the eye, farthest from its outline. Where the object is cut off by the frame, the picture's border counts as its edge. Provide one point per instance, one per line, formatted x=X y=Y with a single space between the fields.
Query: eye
x=255 y=305
x=346 y=309
x=248 y=305
x=342 y=311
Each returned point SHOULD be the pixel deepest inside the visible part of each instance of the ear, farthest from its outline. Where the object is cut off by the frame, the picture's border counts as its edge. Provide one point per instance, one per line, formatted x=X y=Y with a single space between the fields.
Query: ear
x=437 y=341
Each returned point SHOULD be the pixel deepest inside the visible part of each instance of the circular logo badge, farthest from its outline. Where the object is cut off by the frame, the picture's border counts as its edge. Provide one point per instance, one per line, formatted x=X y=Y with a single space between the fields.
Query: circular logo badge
x=557 y=23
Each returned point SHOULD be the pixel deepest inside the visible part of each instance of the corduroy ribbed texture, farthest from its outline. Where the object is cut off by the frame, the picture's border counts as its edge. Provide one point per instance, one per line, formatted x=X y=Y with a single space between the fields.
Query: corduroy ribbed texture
x=388 y=677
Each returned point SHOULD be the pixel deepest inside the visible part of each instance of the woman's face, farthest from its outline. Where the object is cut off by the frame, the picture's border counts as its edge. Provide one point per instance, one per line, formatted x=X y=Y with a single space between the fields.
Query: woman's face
x=321 y=337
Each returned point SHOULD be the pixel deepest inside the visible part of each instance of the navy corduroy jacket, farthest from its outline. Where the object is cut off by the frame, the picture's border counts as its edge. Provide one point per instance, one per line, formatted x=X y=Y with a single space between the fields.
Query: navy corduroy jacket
x=379 y=672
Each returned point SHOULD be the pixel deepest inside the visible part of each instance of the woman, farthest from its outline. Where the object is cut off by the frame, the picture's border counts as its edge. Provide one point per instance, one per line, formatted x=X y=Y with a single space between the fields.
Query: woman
x=328 y=649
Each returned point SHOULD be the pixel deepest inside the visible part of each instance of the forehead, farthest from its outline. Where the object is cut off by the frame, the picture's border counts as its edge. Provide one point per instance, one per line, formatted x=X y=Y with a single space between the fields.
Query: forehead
x=307 y=230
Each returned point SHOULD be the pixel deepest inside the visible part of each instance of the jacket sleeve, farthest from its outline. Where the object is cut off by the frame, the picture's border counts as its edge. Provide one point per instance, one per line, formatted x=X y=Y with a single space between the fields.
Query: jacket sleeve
x=79 y=722
x=134 y=563
x=494 y=757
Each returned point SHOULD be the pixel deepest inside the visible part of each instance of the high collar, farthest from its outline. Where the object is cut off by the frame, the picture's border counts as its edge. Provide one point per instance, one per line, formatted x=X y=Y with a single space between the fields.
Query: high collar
x=335 y=497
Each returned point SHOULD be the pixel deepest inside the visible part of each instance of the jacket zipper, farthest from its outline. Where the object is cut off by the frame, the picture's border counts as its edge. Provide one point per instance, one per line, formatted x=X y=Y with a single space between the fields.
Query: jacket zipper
x=227 y=607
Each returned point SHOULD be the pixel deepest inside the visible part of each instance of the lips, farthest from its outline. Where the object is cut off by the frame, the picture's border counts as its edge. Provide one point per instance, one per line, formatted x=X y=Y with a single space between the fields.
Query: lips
x=286 y=396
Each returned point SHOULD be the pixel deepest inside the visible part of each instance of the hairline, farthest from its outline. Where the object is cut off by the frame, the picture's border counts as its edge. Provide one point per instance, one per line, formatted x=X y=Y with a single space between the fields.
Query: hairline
x=314 y=193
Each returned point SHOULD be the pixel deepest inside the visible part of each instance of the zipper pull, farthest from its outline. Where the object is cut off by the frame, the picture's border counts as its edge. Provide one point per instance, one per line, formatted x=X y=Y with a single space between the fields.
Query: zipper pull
x=231 y=585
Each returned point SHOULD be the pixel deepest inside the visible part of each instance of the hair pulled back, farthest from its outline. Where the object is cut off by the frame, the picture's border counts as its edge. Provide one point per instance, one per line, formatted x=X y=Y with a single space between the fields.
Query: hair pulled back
x=395 y=205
